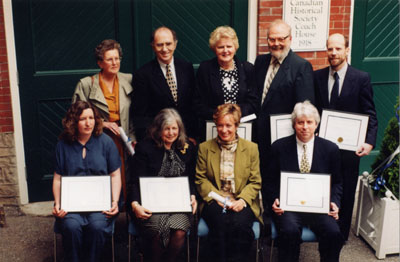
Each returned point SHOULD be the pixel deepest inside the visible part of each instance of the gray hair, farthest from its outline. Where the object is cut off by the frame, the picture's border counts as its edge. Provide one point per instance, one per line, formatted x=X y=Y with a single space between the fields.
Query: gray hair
x=277 y=22
x=166 y=117
x=305 y=109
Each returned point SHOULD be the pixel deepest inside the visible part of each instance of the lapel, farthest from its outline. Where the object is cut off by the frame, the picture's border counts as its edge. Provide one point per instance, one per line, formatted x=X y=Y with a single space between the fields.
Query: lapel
x=291 y=153
x=180 y=77
x=265 y=60
x=161 y=85
x=348 y=86
x=96 y=96
x=215 y=161
x=315 y=168
x=240 y=165
x=215 y=81
x=279 y=78
x=323 y=86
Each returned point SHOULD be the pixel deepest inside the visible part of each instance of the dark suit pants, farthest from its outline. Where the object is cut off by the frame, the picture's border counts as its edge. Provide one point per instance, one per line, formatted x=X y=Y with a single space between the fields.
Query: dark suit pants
x=350 y=166
x=289 y=226
x=231 y=235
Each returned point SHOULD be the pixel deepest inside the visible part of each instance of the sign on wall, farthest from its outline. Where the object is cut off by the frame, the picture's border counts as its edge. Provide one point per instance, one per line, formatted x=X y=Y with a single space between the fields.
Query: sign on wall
x=309 y=20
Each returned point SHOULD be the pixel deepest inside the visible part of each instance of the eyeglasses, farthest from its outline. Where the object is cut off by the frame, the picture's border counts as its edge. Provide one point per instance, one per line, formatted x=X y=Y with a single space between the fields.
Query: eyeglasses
x=279 y=39
x=111 y=60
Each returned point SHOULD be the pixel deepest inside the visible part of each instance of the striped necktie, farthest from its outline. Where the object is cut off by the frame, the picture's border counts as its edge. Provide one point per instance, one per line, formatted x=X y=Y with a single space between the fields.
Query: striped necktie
x=275 y=67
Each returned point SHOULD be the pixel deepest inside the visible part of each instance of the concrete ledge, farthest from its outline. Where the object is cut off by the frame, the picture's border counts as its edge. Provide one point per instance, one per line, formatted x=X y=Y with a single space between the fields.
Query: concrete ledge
x=38 y=208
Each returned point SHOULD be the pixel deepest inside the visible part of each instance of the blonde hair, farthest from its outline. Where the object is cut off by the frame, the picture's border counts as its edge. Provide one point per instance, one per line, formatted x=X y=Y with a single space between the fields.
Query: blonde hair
x=228 y=109
x=223 y=32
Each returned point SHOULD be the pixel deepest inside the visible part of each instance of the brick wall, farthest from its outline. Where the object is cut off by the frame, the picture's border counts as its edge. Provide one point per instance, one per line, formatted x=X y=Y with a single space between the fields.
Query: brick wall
x=270 y=10
x=6 y=121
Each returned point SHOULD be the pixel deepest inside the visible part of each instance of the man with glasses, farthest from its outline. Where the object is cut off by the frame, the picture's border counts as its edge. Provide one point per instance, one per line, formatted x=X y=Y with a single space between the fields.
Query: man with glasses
x=164 y=82
x=283 y=79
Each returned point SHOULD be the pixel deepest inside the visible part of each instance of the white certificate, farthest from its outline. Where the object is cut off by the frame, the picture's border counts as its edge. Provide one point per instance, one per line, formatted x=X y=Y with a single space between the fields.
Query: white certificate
x=243 y=131
x=85 y=193
x=281 y=126
x=165 y=194
x=346 y=130
x=305 y=192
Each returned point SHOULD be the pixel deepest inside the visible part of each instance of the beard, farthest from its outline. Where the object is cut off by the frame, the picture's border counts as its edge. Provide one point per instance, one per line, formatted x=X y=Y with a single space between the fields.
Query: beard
x=280 y=53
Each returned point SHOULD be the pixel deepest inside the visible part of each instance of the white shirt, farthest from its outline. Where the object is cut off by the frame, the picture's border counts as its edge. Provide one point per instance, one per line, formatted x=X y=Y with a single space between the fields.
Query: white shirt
x=310 y=150
x=164 y=69
x=331 y=79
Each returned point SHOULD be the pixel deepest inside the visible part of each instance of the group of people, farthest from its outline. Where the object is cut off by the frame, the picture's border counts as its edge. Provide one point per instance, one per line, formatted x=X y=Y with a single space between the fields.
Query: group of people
x=163 y=109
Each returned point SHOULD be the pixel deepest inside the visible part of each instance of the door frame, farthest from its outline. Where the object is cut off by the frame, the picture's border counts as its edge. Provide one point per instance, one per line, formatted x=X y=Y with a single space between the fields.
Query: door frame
x=14 y=87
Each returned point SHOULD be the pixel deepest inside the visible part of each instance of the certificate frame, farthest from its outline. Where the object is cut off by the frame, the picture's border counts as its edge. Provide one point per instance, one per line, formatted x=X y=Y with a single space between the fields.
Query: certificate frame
x=244 y=130
x=281 y=126
x=347 y=130
x=85 y=193
x=165 y=194
x=310 y=192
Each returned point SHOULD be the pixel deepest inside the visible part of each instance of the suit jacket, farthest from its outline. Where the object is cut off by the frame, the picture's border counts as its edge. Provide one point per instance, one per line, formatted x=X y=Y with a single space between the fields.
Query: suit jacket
x=209 y=93
x=356 y=96
x=292 y=83
x=152 y=94
x=326 y=159
x=147 y=162
x=247 y=172
x=88 y=89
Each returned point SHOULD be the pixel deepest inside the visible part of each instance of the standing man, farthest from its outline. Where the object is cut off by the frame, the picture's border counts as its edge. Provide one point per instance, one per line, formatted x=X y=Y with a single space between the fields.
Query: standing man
x=164 y=82
x=342 y=87
x=283 y=79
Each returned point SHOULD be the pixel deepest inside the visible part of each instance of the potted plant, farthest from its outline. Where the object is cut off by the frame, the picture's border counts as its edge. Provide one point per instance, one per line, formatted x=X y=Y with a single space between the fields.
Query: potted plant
x=378 y=203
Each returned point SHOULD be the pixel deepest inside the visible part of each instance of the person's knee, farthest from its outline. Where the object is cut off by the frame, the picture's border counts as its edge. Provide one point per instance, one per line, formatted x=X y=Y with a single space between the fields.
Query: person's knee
x=71 y=225
x=99 y=226
x=179 y=234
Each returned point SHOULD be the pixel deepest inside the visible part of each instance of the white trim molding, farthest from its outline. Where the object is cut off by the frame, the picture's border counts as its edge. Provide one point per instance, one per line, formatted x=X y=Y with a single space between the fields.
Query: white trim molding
x=15 y=102
x=252 y=30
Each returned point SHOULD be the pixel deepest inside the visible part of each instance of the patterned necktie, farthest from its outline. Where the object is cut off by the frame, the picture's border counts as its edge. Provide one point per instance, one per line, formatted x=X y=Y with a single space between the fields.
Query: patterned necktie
x=275 y=67
x=172 y=84
x=335 y=91
x=304 y=164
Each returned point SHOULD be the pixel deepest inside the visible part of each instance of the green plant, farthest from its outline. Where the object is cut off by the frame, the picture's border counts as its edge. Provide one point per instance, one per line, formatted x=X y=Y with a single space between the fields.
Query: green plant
x=387 y=176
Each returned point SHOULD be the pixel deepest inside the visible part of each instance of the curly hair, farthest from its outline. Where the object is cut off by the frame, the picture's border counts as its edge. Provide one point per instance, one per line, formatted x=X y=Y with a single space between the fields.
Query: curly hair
x=71 y=119
x=166 y=117
x=104 y=46
x=223 y=32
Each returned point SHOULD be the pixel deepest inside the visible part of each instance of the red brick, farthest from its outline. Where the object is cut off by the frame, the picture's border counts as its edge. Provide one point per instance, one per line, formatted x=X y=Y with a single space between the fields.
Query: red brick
x=306 y=54
x=6 y=113
x=277 y=11
x=7 y=129
x=5 y=106
x=321 y=54
x=271 y=3
x=5 y=99
x=337 y=2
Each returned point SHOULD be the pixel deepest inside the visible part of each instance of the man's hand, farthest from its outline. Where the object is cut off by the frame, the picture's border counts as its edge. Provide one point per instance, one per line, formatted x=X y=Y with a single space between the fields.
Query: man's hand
x=364 y=150
x=276 y=208
x=334 y=212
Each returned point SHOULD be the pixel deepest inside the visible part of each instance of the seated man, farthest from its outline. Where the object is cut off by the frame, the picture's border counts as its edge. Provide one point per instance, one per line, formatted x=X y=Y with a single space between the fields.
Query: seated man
x=305 y=153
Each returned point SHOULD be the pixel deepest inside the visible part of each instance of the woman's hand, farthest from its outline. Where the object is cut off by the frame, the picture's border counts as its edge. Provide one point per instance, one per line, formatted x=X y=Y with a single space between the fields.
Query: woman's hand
x=140 y=212
x=113 y=211
x=193 y=203
x=237 y=205
x=57 y=212
x=113 y=127
x=275 y=207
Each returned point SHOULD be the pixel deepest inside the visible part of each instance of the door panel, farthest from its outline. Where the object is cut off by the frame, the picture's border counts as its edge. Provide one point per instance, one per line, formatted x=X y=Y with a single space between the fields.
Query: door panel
x=375 y=49
x=55 y=42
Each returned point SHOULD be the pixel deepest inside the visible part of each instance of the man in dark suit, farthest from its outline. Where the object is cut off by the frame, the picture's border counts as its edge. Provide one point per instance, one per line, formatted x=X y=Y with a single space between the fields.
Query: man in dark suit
x=304 y=153
x=164 y=82
x=283 y=79
x=351 y=92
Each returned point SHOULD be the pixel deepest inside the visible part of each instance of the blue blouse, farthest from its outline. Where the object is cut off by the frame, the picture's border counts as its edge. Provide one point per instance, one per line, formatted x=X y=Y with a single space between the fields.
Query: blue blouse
x=102 y=157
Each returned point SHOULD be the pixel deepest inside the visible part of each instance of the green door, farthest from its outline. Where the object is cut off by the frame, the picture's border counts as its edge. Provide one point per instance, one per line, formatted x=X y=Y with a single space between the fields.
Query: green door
x=54 y=45
x=375 y=49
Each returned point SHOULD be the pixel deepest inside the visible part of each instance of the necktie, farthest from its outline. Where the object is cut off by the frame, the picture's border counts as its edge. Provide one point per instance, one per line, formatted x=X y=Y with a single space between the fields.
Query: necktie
x=172 y=84
x=335 y=91
x=275 y=67
x=304 y=164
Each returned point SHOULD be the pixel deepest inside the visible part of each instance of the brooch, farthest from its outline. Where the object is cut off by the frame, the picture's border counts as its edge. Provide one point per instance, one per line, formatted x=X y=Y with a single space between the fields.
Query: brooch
x=186 y=146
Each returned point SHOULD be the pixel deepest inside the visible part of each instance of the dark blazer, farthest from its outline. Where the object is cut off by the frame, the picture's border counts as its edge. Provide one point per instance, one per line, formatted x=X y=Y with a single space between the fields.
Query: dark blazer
x=147 y=163
x=293 y=83
x=209 y=92
x=151 y=94
x=326 y=159
x=356 y=97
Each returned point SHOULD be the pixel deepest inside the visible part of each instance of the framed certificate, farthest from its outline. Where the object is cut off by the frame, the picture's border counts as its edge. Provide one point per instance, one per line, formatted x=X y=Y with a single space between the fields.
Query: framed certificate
x=243 y=131
x=305 y=192
x=346 y=130
x=85 y=193
x=281 y=126
x=165 y=194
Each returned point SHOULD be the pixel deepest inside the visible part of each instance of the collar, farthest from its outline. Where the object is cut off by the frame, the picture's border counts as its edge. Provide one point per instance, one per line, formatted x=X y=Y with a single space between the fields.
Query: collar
x=341 y=72
x=309 y=144
x=165 y=65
